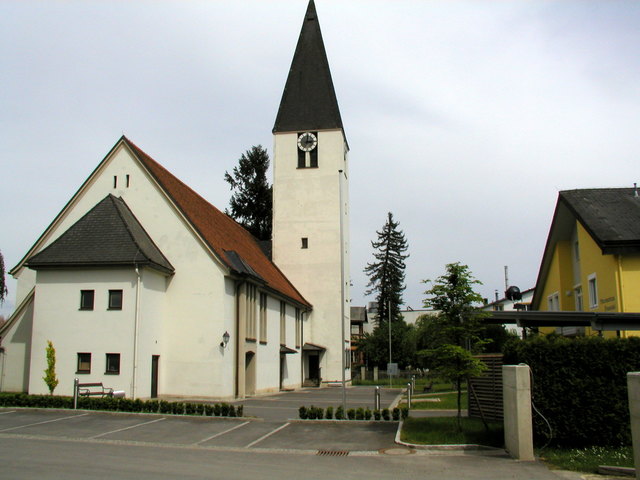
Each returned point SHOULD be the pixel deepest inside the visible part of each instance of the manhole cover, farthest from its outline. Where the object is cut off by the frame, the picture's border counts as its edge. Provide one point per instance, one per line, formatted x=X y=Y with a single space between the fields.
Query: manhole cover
x=397 y=451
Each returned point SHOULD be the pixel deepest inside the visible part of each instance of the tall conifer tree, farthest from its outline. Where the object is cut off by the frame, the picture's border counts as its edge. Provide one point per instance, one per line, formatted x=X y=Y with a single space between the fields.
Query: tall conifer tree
x=251 y=201
x=386 y=273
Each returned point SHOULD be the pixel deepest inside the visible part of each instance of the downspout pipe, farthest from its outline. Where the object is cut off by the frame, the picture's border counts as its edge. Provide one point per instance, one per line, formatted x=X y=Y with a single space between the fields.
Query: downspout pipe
x=135 y=334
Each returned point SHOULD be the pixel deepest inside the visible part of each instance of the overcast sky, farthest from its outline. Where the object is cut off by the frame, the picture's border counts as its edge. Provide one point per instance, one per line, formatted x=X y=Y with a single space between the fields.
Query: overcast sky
x=464 y=119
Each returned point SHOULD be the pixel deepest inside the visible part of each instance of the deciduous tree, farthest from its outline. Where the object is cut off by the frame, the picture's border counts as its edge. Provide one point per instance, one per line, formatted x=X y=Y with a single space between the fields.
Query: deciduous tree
x=3 y=284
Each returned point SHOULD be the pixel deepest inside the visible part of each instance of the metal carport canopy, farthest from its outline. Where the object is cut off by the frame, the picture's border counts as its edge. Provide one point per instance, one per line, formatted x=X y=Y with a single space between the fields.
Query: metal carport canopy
x=605 y=321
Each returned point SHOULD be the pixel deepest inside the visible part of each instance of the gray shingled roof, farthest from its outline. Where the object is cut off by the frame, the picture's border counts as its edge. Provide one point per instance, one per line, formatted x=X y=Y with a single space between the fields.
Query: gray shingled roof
x=108 y=235
x=610 y=215
x=309 y=99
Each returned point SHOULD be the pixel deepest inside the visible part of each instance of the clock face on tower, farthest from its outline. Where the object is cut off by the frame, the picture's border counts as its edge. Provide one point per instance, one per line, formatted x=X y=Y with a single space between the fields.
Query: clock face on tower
x=307 y=141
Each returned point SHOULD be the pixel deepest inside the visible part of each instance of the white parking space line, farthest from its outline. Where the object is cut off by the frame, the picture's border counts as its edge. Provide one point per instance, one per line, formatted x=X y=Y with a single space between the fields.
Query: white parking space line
x=267 y=435
x=4 y=413
x=41 y=423
x=129 y=428
x=219 y=434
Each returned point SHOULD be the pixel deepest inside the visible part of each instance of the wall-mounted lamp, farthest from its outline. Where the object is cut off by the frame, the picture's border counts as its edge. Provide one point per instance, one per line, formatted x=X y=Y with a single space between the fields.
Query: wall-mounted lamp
x=225 y=340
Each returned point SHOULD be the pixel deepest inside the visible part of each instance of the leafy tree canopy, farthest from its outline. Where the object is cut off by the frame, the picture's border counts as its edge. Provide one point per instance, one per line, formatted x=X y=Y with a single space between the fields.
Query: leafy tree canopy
x=386 y=273
x=251 y=201
x=459 y=317
x=3 y=284
x=375 y=345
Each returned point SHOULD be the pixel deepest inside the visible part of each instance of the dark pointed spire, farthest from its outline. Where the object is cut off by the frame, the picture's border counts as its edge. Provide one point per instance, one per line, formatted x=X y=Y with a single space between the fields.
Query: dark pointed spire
x=309 y=100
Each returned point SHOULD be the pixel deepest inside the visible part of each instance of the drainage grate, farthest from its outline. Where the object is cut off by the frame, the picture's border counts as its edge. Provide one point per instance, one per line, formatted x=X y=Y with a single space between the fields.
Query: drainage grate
x=333 y=453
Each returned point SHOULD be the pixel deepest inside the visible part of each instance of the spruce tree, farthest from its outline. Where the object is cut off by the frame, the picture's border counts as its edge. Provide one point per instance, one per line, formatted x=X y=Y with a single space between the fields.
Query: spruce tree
x=251 y=200
x=386 y=273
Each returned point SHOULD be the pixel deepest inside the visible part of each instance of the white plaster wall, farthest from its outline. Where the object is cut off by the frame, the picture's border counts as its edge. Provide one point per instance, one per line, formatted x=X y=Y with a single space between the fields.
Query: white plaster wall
x=57 y=317
x=16 y=357
x=307 y=204
x=196 y=309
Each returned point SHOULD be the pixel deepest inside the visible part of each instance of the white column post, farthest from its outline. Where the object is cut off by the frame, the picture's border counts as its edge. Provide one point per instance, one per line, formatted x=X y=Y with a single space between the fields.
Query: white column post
x=518 y=427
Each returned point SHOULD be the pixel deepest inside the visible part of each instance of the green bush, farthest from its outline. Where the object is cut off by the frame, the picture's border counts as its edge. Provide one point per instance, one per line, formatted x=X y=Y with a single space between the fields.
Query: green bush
x=329 y=413
x=164 y=407
x=360 y=414
x=340 y=413
x=351 y=413
x=385 y=414
x=367 y=414
x=580 y=386
x=396 y=414
x=376 y=414
x=208 y=410
x=302 y=413
x=240 y=410
x=217 y=409
x=404 y=412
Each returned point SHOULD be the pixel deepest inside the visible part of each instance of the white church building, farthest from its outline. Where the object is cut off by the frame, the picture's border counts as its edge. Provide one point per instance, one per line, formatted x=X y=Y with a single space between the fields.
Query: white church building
x=143 y=285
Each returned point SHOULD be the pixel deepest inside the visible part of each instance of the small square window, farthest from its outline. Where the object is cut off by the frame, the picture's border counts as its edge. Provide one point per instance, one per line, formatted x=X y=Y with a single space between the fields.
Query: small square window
x=84 y=363
x=115 y=299
x=86 y=299
x=113 y=364
x=305 y=242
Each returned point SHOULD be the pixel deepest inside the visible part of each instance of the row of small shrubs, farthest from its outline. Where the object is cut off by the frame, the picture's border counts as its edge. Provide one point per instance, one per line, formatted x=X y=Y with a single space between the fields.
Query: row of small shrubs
x=580 y=386
x=319 y=413
x=121 y=405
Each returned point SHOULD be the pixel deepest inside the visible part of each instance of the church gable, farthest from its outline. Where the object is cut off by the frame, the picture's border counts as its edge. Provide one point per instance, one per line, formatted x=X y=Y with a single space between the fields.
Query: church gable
x=108 y=235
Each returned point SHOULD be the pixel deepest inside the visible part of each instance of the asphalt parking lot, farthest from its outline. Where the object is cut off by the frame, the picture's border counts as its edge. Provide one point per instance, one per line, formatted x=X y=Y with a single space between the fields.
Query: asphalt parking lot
x=270 y=423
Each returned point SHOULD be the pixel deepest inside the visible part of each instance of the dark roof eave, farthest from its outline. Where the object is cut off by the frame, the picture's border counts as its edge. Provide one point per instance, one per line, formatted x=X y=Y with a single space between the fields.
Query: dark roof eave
x=85 y=265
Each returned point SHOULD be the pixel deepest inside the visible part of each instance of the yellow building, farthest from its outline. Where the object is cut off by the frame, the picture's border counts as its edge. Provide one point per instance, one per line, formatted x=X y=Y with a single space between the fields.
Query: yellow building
x=591 y=261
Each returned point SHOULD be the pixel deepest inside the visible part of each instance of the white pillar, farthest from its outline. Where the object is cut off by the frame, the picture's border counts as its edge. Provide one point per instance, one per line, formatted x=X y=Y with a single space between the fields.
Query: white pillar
x=633 y=386
x=518 y=427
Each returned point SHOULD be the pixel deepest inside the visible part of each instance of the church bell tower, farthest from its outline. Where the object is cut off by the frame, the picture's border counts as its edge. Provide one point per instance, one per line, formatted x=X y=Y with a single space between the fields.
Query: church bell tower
x=310 y=204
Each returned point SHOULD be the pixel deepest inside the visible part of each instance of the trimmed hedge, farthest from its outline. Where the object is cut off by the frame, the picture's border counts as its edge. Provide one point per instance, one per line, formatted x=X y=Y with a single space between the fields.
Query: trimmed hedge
x=120 y=405
x=580 y=386
x=313 y=413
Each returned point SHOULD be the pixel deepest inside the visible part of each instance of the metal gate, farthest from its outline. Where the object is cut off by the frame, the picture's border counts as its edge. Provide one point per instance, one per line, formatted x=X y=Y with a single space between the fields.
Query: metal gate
x=485 y=392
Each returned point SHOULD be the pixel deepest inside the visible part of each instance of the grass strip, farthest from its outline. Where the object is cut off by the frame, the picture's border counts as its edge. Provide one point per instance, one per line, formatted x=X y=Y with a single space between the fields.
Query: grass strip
x=444 y=431
x=448 y=401
x=586 y=459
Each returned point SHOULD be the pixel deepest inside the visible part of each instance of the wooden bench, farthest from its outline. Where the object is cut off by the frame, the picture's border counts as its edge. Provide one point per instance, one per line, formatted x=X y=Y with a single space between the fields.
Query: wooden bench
x=94 y=390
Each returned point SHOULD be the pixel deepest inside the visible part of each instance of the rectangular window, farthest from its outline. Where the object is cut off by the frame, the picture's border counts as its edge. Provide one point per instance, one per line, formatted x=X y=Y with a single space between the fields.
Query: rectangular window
x=250 y=312
x=298 y=327
x=305 y=242
x=577 y=292
x=115 y=299
x=84 y=363
x=283 y=323
x=263 y=318
x=113 y=364
x=553 y=302
x=593 y=291
x=86 y=299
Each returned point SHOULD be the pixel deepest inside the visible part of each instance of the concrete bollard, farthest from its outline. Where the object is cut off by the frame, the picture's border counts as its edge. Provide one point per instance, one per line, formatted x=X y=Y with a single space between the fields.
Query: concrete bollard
x=375 y=374
x=633 y=387
x=376 y=399
x=518 y=426
x=409 y=395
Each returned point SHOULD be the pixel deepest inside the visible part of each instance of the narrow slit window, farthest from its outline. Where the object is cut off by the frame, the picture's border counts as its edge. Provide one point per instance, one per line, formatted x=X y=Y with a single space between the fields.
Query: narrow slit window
x=128 y=180
x=305 y=242
x=115 y=181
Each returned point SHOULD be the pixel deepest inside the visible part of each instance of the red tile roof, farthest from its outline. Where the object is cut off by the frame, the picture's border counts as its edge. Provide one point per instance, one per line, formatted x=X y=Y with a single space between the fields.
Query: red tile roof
x=219 y=231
